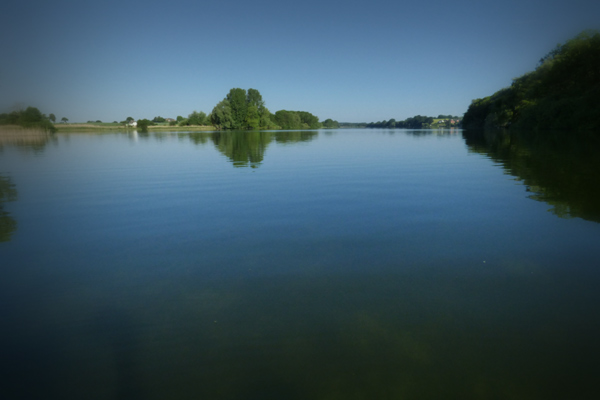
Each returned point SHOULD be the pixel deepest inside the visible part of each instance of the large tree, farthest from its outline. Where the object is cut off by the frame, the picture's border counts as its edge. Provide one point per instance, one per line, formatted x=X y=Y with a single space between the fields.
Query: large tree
x=239 y=107
x=254 y=98
x=221 y=116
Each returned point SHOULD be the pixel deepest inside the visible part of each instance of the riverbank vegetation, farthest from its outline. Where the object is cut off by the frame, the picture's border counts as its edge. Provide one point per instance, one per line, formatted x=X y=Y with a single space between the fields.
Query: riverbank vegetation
x=418 y=122
x=30 y=118
x=563 y=93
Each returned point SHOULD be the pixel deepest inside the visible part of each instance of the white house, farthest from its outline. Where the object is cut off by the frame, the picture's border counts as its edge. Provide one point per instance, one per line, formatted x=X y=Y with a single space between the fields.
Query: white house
x=132 y=123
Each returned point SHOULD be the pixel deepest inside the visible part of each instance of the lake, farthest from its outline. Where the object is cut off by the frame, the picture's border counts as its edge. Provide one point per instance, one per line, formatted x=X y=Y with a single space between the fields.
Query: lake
x=331 y=264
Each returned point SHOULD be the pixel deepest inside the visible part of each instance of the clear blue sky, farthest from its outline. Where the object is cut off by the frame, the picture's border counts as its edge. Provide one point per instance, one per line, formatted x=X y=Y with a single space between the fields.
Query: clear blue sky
x=350 y=61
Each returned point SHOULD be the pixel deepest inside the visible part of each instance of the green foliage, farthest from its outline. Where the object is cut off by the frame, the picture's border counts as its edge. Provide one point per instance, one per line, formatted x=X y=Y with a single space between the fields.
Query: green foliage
x=197 y=118
x=252 y=121
x=143 y=124
x=158 y=119
x=52 y=118
x=265 y=120
x=239 y=107
x=287 y=119
x=296 y=120
x=242 y=110
x=308 y=120
x=416 y=122
x=31 y=117
x=254 y=98
x=562 y=93
x=221 y=116
x=330 y=124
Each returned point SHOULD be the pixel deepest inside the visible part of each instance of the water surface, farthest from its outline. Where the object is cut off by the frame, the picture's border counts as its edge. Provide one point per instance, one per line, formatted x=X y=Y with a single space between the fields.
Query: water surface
x=346 y=264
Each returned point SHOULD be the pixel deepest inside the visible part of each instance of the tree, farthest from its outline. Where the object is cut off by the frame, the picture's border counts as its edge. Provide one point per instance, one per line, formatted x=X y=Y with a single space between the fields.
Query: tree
x=143 y=124
x=287 y=119
x=330 y=124
x=52 y=117
x=239 y=107
x=64 y=120
x=308 y=121
x=265 y=119
x=197 y=118
x=221 y=116
x=252 y=118
x=254 y=98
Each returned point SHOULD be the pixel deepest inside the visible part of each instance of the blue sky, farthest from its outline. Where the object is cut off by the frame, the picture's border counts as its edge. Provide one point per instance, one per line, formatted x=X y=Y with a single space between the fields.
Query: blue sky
x=353 y=61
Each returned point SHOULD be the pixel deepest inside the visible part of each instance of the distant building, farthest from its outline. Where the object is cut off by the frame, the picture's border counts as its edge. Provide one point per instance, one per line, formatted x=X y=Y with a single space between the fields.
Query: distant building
x=132 y=123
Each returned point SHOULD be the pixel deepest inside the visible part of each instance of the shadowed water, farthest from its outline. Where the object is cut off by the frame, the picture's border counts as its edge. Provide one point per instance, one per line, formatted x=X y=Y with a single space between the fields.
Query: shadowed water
x=346 y=264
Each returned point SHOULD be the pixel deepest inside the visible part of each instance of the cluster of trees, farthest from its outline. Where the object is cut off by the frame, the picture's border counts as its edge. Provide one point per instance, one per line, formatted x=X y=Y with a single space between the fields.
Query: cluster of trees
x=295 y=120
x=330 y=124
x=416 y=122
x=245 y=110
x=241 y=110
x=31 y=117
x=195 y=118
x=562 y=93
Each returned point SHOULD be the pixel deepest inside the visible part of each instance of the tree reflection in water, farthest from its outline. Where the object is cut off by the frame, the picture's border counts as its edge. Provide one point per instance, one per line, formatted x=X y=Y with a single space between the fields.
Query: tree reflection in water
x=247 y=148
x=558 y=168
x=7 y=224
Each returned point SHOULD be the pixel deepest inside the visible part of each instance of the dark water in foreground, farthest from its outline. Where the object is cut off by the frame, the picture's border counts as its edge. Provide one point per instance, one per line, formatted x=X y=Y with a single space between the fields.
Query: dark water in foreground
x=349 y=264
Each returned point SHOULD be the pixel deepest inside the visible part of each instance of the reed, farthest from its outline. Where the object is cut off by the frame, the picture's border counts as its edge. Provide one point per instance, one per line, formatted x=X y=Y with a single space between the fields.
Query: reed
x=13 y=134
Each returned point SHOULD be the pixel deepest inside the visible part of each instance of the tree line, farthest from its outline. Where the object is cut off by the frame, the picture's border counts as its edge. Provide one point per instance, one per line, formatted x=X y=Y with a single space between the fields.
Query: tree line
x=31 y=117
x=416 y=122
x=244 y=110
x=562 y=93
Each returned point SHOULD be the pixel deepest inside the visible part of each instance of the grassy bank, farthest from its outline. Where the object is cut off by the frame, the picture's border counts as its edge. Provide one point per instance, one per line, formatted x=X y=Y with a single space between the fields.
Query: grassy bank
x=92 y=127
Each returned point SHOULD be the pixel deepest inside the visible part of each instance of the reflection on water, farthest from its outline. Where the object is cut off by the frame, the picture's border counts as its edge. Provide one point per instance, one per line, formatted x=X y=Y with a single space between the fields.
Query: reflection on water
x=8 y=192
x=243 y=148
x=559 y=169
x=247 y=149
x=29 y=140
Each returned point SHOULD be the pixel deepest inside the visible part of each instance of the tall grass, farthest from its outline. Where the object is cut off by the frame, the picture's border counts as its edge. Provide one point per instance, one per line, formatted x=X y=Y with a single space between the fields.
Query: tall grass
x=13 y=134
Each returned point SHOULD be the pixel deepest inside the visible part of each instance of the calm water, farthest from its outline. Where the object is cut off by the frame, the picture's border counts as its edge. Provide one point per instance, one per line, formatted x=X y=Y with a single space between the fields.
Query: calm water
x=347 y=264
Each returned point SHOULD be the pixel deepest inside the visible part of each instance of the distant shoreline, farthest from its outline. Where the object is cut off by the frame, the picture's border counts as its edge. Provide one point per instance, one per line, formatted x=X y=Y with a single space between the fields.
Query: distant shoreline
x=94 y=127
